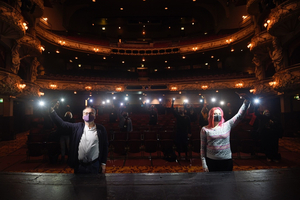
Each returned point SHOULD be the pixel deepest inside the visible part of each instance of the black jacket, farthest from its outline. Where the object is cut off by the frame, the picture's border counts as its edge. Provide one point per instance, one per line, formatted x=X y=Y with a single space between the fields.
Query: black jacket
x=75 y=137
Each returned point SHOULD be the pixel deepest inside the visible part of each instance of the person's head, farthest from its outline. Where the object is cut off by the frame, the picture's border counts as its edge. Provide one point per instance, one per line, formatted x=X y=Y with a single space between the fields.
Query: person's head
x=69 y=115
x=266 y=113
x=89 y=114
x=125 y=114
x=181 y=110
x=215 y=115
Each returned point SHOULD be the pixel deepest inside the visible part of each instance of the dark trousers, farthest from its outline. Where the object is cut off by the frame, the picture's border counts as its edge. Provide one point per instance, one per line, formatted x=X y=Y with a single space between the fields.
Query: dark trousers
x=90 y=168
x=219 y=165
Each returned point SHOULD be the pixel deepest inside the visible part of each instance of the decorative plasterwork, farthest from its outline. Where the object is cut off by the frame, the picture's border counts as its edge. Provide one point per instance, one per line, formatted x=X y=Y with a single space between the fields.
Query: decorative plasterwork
x=281 y=14
x=97 y=49
x=263 y=88
x=219 y=43
x=31 y=43
x=14 y=20
x=9 y=84
x=260 y=42
x=84 y=86
x=287 y=79
x=215 y=85
x=31 y=90
x=70 y=44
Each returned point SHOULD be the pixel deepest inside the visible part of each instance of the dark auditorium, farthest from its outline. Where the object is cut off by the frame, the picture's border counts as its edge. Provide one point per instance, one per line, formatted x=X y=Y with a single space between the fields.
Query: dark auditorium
x=149 y=99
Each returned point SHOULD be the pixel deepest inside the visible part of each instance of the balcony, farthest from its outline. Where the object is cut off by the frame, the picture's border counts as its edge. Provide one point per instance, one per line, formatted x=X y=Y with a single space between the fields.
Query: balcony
x=12 y=23
x=284 y=18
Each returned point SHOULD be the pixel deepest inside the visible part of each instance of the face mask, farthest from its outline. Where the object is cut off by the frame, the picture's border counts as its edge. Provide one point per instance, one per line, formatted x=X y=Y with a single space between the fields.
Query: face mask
x=88 y=118
x=217 y=118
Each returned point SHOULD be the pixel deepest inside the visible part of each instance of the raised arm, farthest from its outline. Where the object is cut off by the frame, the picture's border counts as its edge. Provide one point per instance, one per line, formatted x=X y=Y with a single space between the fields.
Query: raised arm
x=59 y=122
x=240 y=114
x=203 y=149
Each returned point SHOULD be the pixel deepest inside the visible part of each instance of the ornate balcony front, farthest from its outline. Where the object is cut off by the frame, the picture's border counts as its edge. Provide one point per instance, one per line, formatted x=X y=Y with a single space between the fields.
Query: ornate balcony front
x=191 y=47
x=284 y=18
x=30 y=45
x=260 y=42
x=11 y=84
x=12 y=23
x=287 y=79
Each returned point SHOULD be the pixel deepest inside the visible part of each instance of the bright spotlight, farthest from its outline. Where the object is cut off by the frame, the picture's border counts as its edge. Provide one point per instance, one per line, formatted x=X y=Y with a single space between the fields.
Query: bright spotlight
x=159 y=99
x=213 y=99
x=103 y=102
x=91 y=100
x=222 y=102
x=201 y=100
x=256 y=101
x=140 y=98
x=41 y=103
x=114 y=97
x=186 y=101
x=107 y=101
x=173 y=99
x=147 y=101
x=62 y=99
x=126 y=98
x=121 y=104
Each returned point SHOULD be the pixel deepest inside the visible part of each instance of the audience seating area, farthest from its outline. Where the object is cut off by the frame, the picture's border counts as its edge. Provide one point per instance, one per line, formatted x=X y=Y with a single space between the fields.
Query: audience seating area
x=145 y=141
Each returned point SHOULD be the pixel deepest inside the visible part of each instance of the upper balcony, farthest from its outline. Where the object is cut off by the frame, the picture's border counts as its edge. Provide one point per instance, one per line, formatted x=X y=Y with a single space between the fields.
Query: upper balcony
x=30 y=45
x=284 y=18
x=260 y=42
x=12 y=23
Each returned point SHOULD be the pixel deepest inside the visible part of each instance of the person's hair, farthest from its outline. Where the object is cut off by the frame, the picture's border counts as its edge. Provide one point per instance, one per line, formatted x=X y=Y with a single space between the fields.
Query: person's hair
x=68 y=112
x=211 y=117
x=94 y=111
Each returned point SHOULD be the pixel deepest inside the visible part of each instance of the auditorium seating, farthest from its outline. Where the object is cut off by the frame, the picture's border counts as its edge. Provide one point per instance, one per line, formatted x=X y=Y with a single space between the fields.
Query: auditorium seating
x=145 y=138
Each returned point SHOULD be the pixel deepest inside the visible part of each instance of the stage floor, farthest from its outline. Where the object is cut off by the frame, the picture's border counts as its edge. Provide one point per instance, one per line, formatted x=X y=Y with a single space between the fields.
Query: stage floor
x=273 y=184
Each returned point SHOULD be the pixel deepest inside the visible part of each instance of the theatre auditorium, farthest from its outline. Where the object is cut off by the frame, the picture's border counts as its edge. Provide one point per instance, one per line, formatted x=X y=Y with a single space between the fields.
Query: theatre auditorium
x=164 y=78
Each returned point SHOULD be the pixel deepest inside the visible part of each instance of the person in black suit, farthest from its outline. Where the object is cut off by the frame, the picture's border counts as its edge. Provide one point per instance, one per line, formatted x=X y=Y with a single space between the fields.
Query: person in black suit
x=88 y=143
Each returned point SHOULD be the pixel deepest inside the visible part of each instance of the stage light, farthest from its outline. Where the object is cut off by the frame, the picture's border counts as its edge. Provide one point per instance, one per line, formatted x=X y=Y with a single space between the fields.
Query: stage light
x=147 y=101
x=140 y=98
x=62 y=99
x=159 y=99
x=222 y=103
x=201 y=100
x=114 y=98
x=107 y=101
x=186 y=101
x=91 y=100
x=103 y=102
x=213 y=99
x=41 y=103
x=173 y=99
x=256 y=101
x=121 y=104
x=126 y=98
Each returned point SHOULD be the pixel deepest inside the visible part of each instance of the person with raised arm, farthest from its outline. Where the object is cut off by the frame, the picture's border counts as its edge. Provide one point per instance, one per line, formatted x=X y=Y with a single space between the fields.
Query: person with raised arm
x=215 y=138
